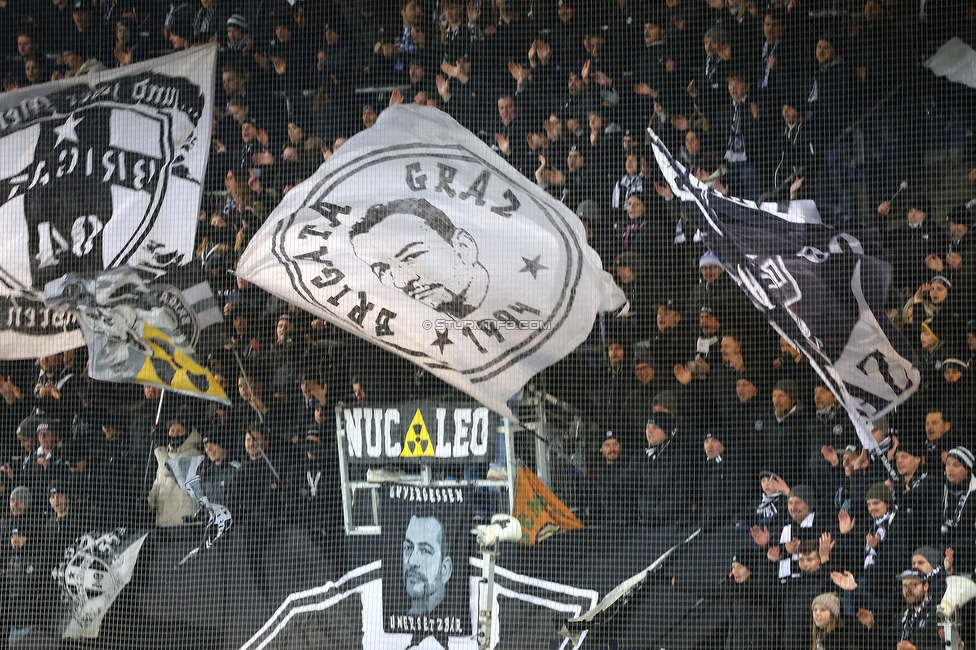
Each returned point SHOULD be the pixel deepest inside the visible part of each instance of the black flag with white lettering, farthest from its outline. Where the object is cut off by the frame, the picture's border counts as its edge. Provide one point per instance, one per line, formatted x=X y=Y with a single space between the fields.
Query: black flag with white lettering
x=425 y=548
x=822 y=287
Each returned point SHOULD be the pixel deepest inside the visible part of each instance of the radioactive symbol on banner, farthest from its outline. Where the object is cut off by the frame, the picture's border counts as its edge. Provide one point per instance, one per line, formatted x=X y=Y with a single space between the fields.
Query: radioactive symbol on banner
x=171 y=367
x=416 y=441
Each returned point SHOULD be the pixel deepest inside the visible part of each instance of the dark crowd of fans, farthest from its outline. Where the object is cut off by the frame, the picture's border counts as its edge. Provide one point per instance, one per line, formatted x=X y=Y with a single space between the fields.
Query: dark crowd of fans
x=702 y=414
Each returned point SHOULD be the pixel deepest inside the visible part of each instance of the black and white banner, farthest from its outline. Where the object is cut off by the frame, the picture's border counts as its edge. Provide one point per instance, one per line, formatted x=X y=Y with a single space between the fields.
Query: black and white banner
x=425 y=541
x=419 y=238
x=186 y=473
x=98 y=171
x=427 y=432
x=348 y=611
x=822 y=287
x=93 y=572
x=143 y=333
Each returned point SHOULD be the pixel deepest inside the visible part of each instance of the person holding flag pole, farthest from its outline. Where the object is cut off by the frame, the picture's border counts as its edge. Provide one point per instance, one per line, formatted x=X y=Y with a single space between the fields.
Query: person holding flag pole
x=260 y=414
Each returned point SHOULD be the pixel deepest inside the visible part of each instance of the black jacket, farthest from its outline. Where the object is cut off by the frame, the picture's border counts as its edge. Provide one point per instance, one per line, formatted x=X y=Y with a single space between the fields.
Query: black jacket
x=28 y=587
x=753 y=611
x=661 y=482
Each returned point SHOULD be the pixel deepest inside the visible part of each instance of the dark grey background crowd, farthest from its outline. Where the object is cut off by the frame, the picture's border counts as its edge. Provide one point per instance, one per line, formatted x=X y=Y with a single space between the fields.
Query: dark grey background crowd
x=695 y=412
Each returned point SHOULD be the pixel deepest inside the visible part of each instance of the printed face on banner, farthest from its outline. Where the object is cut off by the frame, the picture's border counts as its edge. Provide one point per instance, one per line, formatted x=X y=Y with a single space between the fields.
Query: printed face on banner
x=425 y=536
x=426 y=567
x=418 y=238
x=431 y=252
x=413 y=246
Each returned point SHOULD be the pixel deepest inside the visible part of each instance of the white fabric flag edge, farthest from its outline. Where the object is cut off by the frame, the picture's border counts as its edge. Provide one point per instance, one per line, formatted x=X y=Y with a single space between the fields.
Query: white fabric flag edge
x=259 y=265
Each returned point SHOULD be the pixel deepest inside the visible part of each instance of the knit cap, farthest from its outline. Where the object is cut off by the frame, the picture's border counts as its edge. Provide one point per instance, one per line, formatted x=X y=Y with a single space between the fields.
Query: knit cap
x=828 y=601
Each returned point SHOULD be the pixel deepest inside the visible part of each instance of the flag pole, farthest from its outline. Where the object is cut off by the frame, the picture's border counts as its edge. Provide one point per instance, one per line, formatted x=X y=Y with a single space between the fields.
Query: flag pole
x=152 y=436
x=250 y=391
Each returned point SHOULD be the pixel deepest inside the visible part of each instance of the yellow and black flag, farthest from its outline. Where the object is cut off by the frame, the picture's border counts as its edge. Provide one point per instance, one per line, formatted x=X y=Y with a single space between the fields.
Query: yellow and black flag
x=140 y=332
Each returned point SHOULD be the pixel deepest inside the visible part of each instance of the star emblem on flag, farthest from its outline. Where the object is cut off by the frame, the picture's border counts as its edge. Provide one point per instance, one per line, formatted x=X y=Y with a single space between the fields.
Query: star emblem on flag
x=442 y=340
x=533 y=266
x=67 y=130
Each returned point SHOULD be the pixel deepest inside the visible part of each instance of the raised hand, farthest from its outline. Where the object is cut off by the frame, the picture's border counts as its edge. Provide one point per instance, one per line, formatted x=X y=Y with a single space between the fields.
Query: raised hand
x=830 y=455
x=602 y=79
x=443 y=86
x=795 y=187
x=778 y=484
x=262 y=158
x=845 y=522
x=543 y=50
x=663 y=190
x=844 y=580
x=644 y=89
x=683 y=374
x=866 y=618
x=504 y=144
x=826 y=546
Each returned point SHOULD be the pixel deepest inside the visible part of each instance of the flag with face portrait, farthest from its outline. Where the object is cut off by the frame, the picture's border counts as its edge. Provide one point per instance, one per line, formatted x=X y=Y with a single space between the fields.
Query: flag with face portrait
x=822 y=286
x=98 y=171
x=419 y=238
x=425 y=543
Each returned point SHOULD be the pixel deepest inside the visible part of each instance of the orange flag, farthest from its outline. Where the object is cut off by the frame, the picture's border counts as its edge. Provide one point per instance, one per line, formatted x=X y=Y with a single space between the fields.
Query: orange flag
x=540 y=512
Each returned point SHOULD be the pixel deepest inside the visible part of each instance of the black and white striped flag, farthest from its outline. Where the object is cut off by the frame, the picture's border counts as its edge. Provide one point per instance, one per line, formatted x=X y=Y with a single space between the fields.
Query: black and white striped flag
x=822 y=286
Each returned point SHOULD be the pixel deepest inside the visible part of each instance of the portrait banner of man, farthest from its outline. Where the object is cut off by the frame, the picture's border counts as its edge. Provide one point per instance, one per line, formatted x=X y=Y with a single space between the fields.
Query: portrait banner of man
x=426 y=543
x=419 y=238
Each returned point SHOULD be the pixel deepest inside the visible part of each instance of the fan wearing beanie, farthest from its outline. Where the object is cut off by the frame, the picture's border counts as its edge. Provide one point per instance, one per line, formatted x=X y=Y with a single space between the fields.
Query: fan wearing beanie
x=919 y=488
x=929 y=560
x=959 y=511
x=783 y=430
x=660 y=476
x=20 y=512
x=828 y=630
x=753 y=624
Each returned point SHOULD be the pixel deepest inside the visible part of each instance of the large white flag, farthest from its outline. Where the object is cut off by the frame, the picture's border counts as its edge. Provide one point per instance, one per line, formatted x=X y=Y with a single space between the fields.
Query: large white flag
x=98 y=171
x=416 y=236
